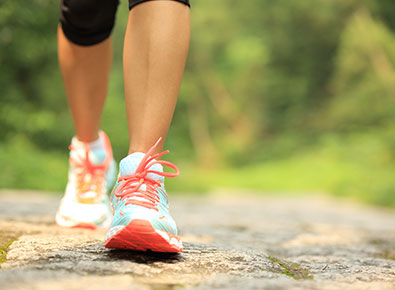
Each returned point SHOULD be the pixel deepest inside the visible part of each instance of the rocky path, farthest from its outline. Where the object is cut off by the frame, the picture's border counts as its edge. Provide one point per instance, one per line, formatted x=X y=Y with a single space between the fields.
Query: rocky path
x=231 y=242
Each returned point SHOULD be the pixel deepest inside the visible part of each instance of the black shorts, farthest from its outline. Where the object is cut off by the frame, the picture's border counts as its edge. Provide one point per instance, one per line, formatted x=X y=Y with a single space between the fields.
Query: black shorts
x=88 y=22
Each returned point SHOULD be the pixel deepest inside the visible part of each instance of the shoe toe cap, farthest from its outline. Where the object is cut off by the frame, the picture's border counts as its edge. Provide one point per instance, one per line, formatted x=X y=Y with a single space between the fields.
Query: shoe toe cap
x=157 y=220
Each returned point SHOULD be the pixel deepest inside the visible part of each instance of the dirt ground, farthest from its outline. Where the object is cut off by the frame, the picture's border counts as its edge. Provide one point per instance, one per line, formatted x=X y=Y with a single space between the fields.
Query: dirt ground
x=232 y=241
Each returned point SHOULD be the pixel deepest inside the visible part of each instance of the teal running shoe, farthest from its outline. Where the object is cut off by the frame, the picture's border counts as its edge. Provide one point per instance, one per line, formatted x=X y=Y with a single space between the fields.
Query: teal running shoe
x=140 y=206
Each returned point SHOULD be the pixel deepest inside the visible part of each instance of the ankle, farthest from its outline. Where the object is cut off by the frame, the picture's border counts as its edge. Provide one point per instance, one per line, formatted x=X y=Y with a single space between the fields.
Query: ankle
x=91 y=137
x=97 y=143
x=145 y=147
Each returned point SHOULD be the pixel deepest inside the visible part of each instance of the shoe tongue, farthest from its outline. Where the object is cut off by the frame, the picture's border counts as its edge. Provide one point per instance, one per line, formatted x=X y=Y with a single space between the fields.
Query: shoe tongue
x=129 y=164
x=96 y=156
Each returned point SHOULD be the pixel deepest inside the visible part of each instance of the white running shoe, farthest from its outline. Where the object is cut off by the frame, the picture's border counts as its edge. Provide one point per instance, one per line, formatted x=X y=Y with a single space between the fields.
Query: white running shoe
x=92 y=173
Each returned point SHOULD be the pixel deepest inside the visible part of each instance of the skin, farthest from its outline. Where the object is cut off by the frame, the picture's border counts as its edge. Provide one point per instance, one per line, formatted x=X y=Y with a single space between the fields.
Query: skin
x=85 y=72
x=155 y=51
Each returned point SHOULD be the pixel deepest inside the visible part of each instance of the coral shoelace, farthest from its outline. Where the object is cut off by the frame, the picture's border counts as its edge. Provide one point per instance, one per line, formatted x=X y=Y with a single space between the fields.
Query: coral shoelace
x=90 y=177
x=130 y=185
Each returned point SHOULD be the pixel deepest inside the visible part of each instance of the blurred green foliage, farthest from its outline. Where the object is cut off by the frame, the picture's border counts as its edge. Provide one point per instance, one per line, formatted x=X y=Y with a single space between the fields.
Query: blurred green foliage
x=277 y=96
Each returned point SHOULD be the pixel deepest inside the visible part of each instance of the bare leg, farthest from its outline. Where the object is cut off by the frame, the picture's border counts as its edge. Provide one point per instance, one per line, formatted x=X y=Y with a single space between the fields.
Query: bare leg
x=85 y=71
x=155 y=51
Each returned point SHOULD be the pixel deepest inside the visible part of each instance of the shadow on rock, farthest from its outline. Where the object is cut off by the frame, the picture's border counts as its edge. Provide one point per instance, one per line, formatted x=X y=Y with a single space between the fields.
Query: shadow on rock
x=145 y=257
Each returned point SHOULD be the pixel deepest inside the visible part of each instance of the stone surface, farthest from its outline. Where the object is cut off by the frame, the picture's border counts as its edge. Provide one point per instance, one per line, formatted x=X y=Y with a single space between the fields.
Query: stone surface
x=232 y=241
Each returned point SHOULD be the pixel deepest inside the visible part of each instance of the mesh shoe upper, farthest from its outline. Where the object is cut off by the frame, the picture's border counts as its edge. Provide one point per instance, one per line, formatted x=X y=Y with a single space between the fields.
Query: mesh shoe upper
x=140 y=193
x=91 y=174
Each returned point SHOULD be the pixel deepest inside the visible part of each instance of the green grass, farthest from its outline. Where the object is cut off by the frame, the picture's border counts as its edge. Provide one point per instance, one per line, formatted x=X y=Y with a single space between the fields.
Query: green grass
x=290 y=269
x=358 y=167
x=25 y=166
x=6 y=240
